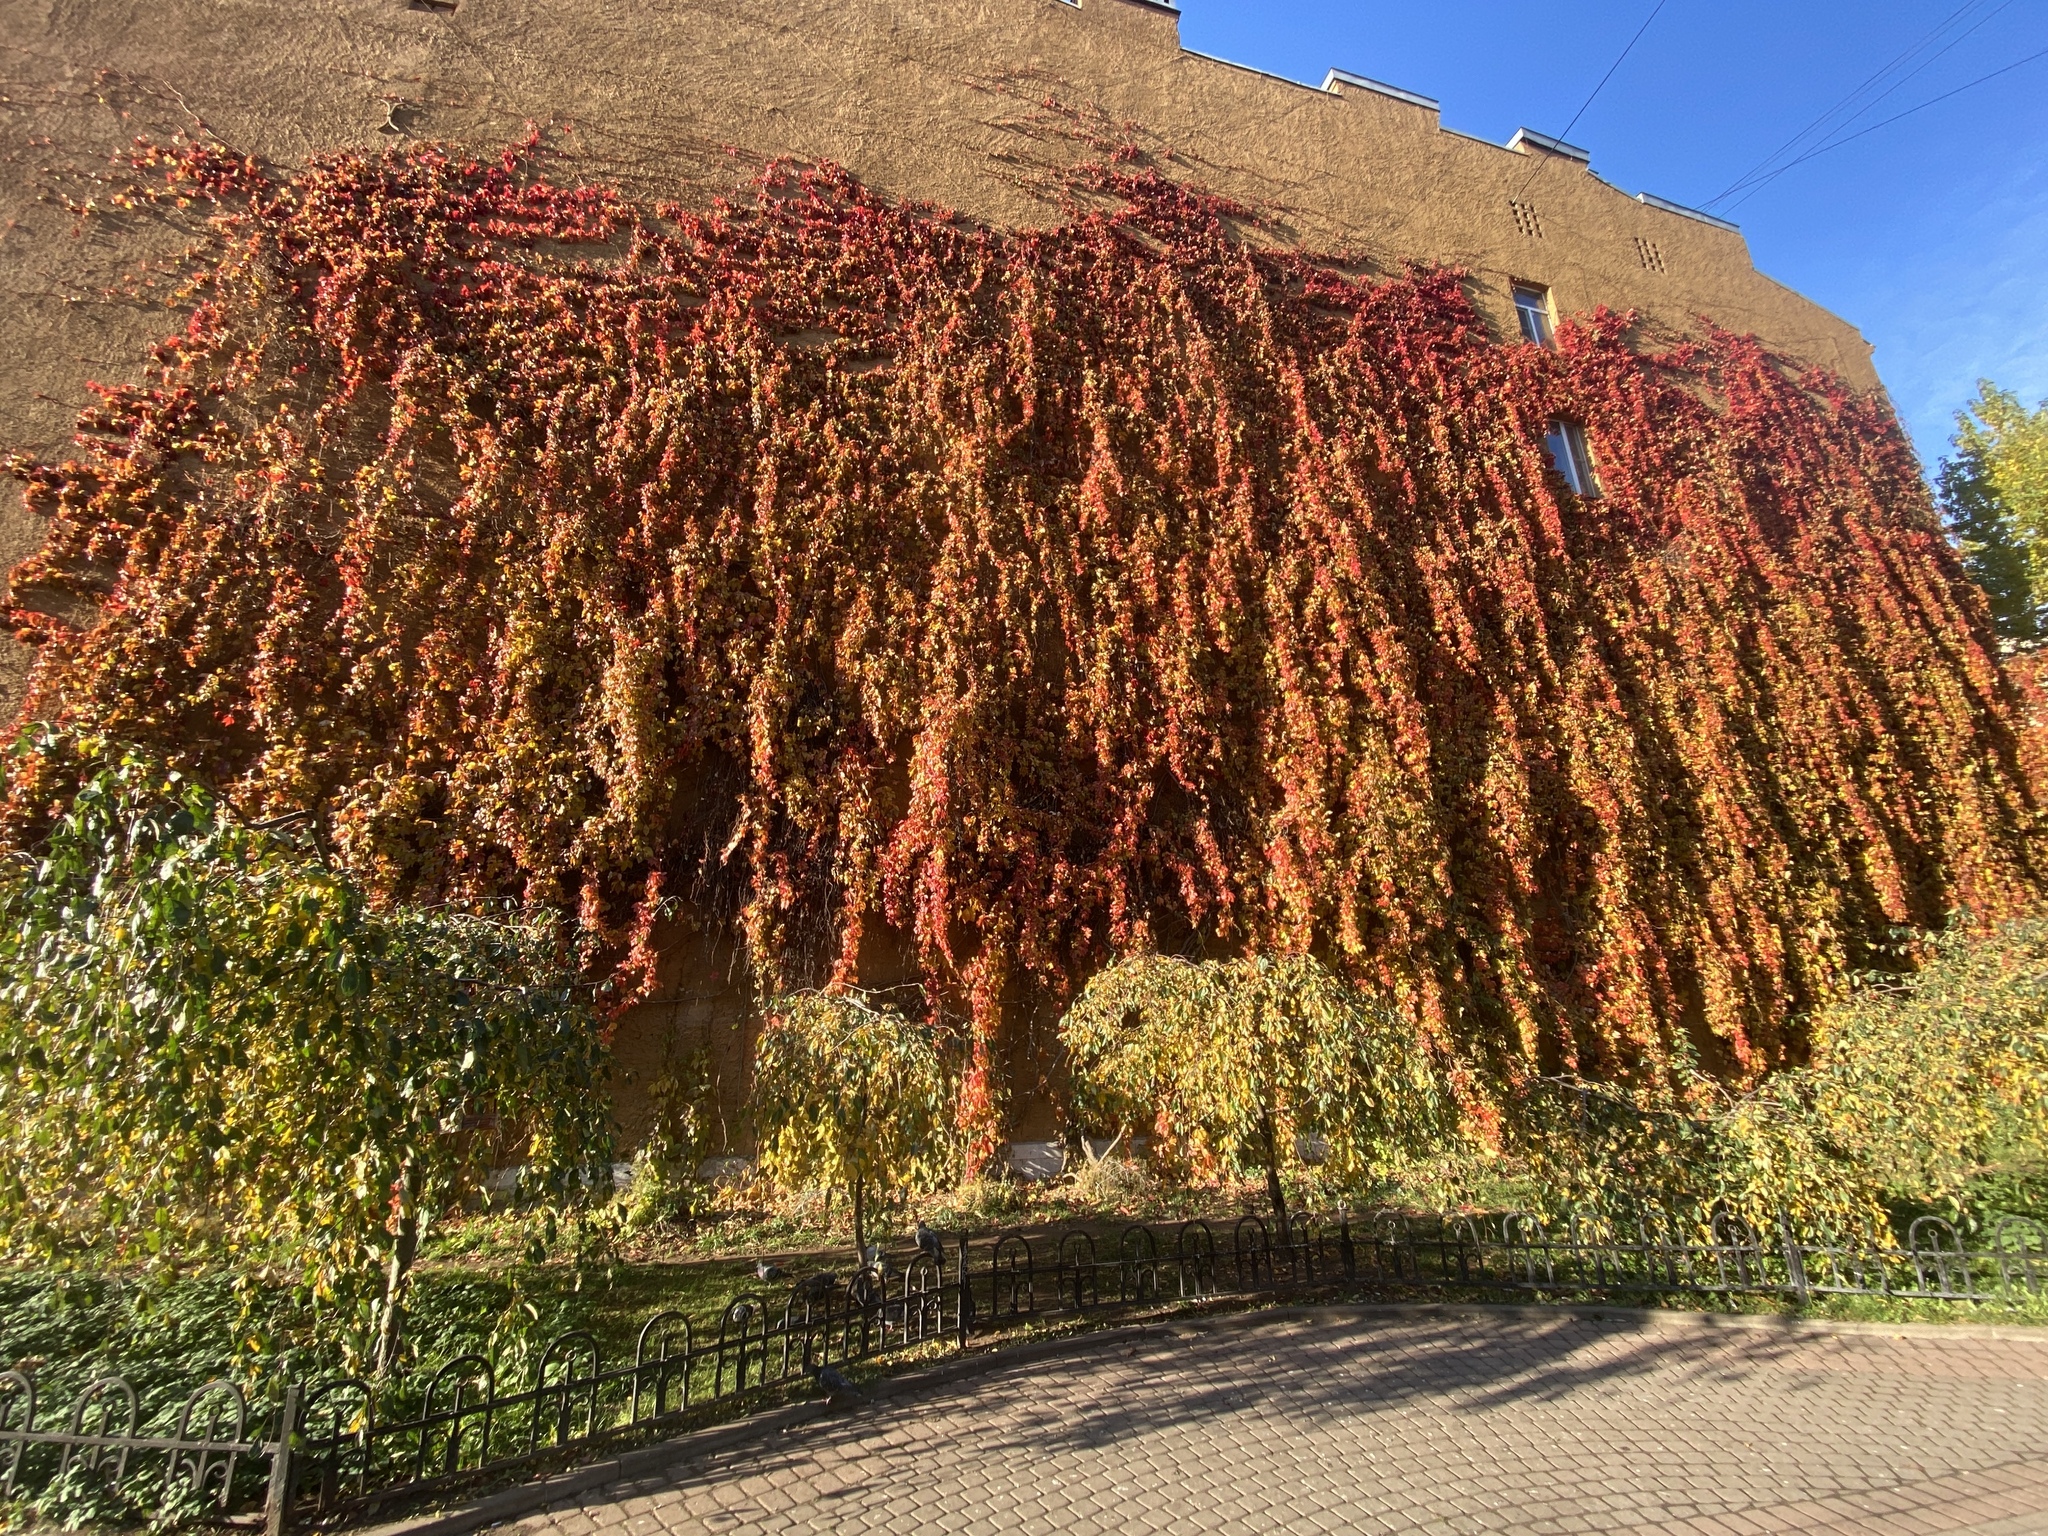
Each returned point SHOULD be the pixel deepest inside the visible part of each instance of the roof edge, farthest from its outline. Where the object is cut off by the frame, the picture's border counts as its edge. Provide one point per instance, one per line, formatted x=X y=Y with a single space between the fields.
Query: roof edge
x=1544 y=141
x=1652 y=200
x=1337 y=77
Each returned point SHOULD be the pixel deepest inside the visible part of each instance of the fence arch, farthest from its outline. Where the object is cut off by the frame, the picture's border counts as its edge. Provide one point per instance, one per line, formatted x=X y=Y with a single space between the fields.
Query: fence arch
x=94 y=1413
x=465 y=1387
x=211 y=1425
x=17 y=1397
x=655 y=1356
x=1195 y=1248
x=557 y=1398
x=1013 y=1288
x=1253 y=1250
x=2021 y=1247
x=1077 y=1272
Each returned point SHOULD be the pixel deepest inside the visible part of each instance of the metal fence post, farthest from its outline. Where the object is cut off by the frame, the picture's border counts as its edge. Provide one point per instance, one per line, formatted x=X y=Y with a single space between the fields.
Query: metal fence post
x=966 y=1319
x=1344 y=1244
x=277 y=1500
x=1795 y=1261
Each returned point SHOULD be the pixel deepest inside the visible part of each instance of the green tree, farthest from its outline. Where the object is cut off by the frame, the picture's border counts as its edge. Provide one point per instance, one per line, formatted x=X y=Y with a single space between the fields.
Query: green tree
x=850 y=1094
x=1931 y=1083
x=1611 y=1152
x=1237 y=1057
x=1927 y=1089
x=1994 y=497
x=213 y=1047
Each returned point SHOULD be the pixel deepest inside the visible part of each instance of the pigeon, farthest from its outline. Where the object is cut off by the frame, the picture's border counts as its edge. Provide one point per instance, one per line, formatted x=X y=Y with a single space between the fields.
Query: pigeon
x=871 y=1256
x=820 y=1283
x=837 y=1385
x=931 y=1245
x=764 y=1270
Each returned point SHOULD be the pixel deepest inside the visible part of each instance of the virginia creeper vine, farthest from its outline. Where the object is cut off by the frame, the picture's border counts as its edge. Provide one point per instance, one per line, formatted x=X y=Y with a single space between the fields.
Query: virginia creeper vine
x=841 y=570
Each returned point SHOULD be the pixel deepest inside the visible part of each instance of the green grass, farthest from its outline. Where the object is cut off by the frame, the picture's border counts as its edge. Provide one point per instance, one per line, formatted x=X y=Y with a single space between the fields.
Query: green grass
x=503 y=1286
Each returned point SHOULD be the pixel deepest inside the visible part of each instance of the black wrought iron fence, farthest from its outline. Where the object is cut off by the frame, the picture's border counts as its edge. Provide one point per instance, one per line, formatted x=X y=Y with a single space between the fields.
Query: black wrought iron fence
x=336 y=1449
x=1515 y=1252
x=467 y=1423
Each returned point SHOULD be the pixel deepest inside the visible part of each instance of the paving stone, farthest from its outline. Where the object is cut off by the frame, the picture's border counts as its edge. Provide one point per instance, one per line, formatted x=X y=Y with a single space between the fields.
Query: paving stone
x=1467 y=1423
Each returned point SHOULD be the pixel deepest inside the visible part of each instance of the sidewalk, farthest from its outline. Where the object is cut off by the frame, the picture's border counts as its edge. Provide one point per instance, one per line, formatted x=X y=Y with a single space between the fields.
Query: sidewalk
x=1388 y=1419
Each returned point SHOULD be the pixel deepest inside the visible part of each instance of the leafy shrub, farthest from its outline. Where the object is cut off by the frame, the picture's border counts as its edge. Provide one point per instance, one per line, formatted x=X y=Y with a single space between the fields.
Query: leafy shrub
x=851 y=1094
x=1608 y=1152
x=1933 y=1084
x=665 y=1185
x=1925 y=1090
x=212 y=1048
x=1230 y=1059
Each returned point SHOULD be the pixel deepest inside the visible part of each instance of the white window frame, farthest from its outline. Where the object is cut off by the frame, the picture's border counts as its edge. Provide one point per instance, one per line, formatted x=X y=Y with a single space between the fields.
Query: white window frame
x=1541 y=310
x=1565 y=442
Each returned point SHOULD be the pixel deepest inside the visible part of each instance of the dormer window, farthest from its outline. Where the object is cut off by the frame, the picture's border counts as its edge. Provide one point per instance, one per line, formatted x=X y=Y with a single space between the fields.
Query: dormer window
x=1532 y=309
x=1566 y=441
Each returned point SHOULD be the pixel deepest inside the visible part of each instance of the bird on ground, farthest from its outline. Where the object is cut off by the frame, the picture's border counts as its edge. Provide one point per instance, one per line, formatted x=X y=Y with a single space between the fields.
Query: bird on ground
x=820 y=1283
x=930 y=1244
x=765 y=1270
x=871 y=1256
x=837 y=1385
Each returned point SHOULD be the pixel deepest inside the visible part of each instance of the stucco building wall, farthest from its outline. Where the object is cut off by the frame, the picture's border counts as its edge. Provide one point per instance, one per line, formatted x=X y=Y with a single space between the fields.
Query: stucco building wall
x=966 y=103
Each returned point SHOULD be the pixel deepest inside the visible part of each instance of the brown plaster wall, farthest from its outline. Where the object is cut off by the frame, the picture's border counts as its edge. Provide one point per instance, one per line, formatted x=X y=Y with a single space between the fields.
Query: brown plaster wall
x=944 y=100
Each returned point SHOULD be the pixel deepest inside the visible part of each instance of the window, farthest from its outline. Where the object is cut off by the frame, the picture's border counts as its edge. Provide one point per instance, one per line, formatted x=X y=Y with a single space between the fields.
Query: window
x=1532 y=309
x=1566 y=441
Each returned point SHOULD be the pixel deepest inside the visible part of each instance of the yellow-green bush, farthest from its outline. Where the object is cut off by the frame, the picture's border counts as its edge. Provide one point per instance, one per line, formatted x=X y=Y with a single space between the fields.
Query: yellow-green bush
x=1924 y=1090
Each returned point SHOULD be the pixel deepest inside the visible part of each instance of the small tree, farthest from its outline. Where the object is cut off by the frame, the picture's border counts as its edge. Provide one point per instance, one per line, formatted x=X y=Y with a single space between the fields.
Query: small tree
x=1994 y=498
x=213 y=1047
x=1239 y=1056
x=849 y=1093
x=1927 y=1089
x=1936 y=1085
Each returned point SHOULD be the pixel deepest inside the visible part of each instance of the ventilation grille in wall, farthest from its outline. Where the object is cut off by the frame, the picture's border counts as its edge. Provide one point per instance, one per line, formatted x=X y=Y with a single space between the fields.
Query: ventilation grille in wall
x=1525 y=218
x=1648 y=254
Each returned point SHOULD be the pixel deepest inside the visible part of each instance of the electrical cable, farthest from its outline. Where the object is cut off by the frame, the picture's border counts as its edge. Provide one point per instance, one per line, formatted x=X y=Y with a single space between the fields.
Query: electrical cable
x=1931 y=101
x=1752 y=179
x=1820 y=123
x=1618 y=58
x=1568 y=127
x=1928 y=63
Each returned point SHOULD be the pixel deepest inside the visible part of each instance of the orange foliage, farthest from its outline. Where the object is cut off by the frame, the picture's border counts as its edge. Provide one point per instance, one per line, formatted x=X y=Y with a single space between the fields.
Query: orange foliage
x=830 y=566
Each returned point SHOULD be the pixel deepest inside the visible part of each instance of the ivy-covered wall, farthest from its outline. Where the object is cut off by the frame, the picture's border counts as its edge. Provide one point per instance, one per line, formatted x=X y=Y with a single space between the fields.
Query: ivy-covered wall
x=980 y=105
x=847 y=588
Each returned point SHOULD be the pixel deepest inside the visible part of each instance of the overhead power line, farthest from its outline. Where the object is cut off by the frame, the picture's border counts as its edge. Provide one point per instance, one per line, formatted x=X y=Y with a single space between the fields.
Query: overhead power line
x=1631 y=48
x=1590 y=95
x=1820 y=123
x=1859 y=133
x=1928 y=63
x=1832 y=120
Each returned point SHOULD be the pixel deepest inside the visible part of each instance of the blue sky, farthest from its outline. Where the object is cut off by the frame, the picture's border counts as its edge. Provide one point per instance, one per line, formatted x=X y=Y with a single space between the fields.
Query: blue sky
x=1930 y=235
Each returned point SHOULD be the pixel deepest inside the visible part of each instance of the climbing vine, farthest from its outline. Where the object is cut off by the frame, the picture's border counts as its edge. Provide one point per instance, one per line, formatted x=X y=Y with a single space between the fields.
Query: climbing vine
x=906 y=593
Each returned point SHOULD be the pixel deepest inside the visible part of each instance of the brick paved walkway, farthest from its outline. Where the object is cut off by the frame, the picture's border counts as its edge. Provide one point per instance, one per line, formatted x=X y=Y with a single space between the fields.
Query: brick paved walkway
x=1442 y=1421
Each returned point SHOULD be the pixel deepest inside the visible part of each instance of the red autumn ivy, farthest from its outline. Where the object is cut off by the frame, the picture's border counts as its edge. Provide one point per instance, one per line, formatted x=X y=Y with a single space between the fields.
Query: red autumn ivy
x=840 y=570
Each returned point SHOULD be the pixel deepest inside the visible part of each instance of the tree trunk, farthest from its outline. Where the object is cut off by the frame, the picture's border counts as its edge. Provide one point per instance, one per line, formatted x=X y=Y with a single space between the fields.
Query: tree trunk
x=860 y=1218
x=390 y=1327
x=1273 y=1190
